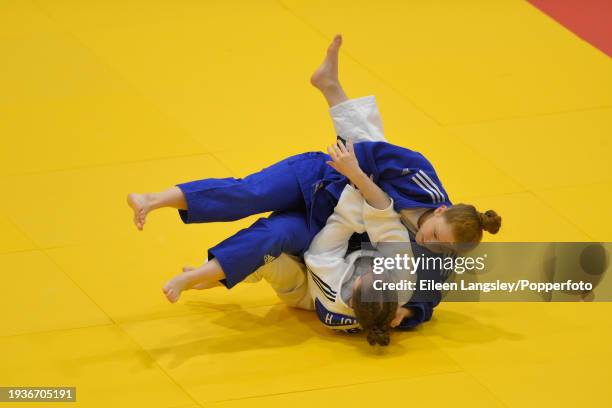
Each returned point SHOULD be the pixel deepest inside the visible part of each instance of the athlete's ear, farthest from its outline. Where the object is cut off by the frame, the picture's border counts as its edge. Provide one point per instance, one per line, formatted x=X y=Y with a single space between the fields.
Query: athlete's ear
x=441 y=209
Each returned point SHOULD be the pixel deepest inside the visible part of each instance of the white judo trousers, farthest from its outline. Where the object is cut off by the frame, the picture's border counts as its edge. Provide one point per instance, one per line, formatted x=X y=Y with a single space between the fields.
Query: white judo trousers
x=357 y=120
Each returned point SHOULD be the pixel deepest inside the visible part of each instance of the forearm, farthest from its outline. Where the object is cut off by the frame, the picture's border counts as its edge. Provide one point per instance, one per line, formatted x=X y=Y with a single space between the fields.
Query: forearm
x=373 y=194
x=344 y=161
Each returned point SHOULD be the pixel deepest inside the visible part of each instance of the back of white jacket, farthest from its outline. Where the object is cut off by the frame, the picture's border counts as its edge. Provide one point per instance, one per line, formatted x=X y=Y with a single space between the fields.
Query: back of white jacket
x=327 y=265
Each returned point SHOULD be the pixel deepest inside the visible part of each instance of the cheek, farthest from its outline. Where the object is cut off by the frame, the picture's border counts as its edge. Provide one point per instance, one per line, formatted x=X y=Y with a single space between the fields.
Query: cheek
x=425 y=236
x=417 y=236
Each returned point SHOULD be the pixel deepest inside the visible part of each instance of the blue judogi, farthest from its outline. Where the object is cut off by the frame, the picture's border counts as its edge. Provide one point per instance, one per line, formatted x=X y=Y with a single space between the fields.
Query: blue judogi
x=302 y=192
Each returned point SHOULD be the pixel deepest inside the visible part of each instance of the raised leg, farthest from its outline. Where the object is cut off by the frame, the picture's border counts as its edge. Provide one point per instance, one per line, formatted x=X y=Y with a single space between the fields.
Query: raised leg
x=325 y=78
x=243 y=253
x=240 y=255
x=275 y=188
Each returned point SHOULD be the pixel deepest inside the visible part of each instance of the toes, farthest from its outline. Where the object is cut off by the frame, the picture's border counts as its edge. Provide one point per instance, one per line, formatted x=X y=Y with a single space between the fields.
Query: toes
x=336 y=42
x=172 y=294
x=169 y=295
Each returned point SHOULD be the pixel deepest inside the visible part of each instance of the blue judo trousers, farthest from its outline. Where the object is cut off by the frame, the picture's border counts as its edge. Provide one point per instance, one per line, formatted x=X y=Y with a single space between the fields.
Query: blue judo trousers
x=302 y=192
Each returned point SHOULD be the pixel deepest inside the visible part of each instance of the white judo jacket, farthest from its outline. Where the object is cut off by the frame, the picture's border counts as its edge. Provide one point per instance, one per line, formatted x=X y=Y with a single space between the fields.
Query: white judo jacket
x=328 y=268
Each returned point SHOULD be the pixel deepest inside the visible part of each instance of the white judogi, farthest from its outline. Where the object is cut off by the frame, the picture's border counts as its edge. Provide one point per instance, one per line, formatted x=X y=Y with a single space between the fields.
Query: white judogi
x=328 y=268
x=358 y=120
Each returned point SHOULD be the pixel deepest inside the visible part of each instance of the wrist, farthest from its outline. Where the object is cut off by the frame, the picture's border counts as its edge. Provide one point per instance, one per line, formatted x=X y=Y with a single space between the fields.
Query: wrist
x=358 y=177
x=409 y=311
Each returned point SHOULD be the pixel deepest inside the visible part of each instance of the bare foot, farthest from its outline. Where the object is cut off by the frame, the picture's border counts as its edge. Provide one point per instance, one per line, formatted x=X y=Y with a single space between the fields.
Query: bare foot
x=203 y=285
x=140 y=203
x=326 y=75
x=173 y=288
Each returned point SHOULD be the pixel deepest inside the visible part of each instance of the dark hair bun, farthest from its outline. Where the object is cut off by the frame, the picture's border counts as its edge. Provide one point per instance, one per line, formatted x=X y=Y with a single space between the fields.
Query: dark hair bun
x=378 y=335
x=490 y=221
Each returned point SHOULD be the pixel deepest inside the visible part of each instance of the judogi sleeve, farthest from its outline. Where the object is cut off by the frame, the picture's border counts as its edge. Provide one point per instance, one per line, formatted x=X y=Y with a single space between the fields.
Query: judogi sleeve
x=327 y=250
x=422 y=312
x=384 y=225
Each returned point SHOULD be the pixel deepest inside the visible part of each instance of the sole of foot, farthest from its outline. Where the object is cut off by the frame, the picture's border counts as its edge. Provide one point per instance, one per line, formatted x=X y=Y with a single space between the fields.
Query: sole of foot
x=138 y=203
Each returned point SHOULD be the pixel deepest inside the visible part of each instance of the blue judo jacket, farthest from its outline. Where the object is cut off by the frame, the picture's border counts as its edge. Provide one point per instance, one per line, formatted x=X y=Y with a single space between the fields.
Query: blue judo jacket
x=405 y=175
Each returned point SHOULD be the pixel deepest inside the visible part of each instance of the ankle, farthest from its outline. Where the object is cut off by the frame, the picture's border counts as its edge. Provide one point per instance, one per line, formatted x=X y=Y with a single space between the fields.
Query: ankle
x=195 y=281
x=152 y=200
x=329 y=85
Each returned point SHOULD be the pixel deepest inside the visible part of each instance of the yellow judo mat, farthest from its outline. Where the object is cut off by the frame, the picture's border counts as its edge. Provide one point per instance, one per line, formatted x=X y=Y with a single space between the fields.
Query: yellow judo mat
x=101 y=98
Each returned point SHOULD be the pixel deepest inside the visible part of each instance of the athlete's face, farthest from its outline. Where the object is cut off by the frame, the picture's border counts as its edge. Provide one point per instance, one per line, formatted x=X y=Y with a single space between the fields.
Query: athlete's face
x=435 y=233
